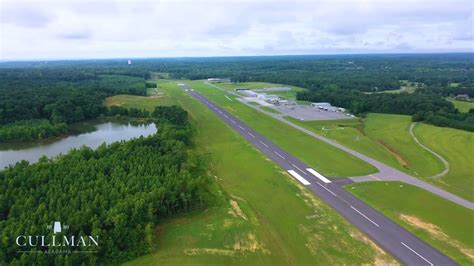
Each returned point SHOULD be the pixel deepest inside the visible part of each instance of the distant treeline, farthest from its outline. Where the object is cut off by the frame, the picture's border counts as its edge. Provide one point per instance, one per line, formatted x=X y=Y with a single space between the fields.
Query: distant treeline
x=37 y=103
x=428 y=107
x=118 y=192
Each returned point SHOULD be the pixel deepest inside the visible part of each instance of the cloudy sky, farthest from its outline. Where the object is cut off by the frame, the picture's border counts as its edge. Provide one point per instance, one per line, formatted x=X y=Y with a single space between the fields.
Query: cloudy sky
x=53 y=29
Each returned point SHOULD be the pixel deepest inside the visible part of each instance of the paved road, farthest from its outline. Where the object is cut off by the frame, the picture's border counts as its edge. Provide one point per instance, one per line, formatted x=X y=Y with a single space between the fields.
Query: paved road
x=445 y=163
x=406 y=247
x=385 y=172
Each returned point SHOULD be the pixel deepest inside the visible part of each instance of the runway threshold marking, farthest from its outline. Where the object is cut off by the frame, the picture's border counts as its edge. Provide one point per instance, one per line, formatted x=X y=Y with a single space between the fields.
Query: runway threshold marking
x=299 y=178
x=365 y=216
x=263 y=143
x=429 y=262
x=279 y=155
x=327 y=189
x=318 y=175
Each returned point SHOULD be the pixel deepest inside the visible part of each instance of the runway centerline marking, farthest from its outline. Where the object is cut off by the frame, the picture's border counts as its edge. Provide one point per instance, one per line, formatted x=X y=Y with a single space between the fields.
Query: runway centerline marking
x=327 y=189
x=241 y=127
x=263 y=143
x=298 y=168
x=233 y=121
x=279 y=155
x=253 y=136
x=429 y=262
x=365 y=216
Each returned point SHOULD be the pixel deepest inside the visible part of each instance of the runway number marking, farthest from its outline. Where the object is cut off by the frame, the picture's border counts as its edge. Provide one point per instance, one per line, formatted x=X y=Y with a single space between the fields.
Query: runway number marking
x=299 y=178
x=363 y=215
x=416 y=253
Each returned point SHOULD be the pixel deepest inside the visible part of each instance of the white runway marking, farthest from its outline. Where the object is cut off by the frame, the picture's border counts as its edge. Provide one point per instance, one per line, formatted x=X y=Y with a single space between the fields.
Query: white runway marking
x=253 y=136
x=281 y=156
x=233 y=121
x=299 y=178
x=242 y=128
x=327 y=189
x=298 y=168
x=318 y=175
x=417 y=253
x=363 y=215
x=226 y=116
x=228 y=98
x=263 y=143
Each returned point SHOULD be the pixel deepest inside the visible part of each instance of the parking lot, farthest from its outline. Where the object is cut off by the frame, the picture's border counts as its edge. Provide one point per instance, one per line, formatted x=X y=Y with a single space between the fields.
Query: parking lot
x=309 y=113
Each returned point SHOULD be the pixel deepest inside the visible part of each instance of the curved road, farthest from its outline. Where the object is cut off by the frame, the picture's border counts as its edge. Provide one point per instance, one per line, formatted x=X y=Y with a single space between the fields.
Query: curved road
x=406 y=247
x=385 y=172
x=446 y=164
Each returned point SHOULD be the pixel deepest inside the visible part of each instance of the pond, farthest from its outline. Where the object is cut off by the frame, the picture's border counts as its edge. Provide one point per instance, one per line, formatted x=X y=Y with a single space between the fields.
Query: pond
x=107 y=132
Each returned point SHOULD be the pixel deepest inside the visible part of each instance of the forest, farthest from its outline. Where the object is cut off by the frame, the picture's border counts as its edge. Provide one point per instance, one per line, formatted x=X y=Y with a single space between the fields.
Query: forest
x=428 y=107
x=38 y=103
x=69 y=91
x=118 y=192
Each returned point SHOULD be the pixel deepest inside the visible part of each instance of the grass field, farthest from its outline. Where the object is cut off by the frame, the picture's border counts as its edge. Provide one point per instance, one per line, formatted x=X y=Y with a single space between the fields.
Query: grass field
x=445 y=225
x=321 y=156
x=259 y=214
x=457 y=147
x=383 y=137
x=462 y=106
x=258 y=85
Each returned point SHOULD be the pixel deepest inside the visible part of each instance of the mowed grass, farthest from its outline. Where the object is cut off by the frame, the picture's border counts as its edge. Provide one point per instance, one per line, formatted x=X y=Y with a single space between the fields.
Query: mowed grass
x=259 y=215
x=445 y=225
x=319 y=155
x=259 y=85
x=462 y=106
x=383 y=137
x=457 y=147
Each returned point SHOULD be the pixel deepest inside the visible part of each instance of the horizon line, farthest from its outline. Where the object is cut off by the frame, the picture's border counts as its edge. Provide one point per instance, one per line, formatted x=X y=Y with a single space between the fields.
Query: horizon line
x=222 y=56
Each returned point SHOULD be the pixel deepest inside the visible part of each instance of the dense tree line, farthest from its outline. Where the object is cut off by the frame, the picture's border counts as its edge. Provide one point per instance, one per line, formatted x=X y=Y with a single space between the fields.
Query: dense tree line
x=118 y=192
x=61 y=96
x=28 y=130
x=428 y=107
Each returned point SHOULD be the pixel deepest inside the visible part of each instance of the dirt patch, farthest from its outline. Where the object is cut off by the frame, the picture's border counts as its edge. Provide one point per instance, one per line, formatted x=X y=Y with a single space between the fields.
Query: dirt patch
x=249 y=244
x=211 y=251
x=381 y=257
x=437 y=233
x=236 y=211
x=401 y=160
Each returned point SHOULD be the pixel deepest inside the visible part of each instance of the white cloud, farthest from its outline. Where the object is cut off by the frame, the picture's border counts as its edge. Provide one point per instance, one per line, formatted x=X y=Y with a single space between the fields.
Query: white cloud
x=92 y=29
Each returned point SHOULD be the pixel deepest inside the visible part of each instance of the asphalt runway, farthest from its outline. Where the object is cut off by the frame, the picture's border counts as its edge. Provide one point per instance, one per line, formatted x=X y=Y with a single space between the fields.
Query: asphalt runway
x=406 y=247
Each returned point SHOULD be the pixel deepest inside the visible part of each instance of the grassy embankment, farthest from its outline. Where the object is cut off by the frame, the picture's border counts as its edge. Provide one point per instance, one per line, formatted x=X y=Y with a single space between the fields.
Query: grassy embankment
x=386 y=138
x=383 y=137
x=445 y=225
x=259 y=215
x=321 y=156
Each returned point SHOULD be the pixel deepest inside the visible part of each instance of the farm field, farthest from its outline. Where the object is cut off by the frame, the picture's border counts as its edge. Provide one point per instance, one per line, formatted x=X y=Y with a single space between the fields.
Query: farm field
x=462 y=106
x=443 y=224
x=323 y=157
x=244 y=224
x=383 y=137
x=457 y=147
